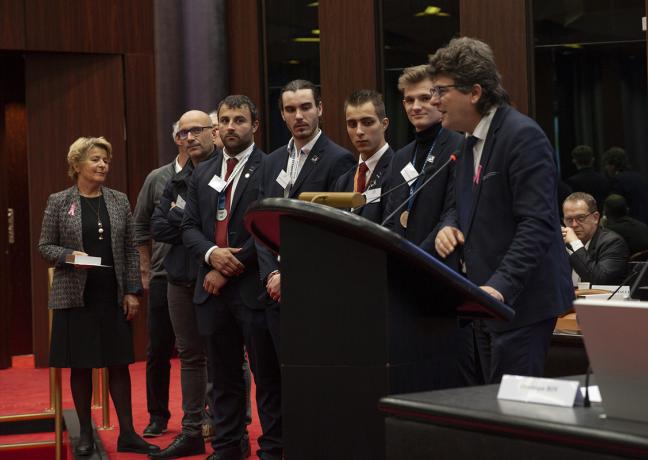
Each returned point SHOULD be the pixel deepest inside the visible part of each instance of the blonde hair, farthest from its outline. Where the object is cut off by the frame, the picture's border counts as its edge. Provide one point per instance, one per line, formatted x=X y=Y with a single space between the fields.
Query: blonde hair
x=412 y=76
x=79 y=151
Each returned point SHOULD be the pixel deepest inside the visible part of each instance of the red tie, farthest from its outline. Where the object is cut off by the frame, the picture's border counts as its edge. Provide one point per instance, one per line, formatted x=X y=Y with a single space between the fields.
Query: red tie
x=221 y=225
x=361 y=181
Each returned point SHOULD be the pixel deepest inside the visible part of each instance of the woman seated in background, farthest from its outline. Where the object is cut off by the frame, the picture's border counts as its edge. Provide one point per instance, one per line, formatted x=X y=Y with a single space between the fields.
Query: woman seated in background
x=93 y=306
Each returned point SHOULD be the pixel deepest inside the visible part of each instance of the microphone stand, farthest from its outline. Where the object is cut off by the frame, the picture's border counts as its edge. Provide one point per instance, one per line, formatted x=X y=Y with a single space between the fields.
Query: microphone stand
x=393 y=189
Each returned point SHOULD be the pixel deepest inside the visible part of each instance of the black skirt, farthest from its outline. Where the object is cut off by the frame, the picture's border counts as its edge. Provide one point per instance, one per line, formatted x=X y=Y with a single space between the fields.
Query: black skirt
x=97 y=334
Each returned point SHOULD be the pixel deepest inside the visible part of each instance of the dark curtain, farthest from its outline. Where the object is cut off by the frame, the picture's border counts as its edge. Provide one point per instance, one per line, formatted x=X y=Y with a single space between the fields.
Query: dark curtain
x=190 y=62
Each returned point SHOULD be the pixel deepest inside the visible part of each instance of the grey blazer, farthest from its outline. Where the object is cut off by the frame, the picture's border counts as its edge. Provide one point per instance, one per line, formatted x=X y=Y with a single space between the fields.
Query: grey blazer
x=61 y=234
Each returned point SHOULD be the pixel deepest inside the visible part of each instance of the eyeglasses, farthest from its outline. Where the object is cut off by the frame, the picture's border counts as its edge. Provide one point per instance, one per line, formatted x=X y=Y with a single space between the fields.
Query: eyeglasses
x=579 y=219
x=440 y=90
x=195 y=131
x=422 y=98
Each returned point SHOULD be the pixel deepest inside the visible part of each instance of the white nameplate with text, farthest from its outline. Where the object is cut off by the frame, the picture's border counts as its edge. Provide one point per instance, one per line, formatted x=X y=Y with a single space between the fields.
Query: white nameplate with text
x=538 y=390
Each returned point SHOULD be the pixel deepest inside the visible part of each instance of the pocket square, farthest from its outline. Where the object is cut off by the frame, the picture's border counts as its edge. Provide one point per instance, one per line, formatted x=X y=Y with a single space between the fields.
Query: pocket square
x=490 y=174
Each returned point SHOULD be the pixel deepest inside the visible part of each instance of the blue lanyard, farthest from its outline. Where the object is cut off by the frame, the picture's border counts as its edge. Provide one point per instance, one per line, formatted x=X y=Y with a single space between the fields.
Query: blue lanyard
x=418 y=182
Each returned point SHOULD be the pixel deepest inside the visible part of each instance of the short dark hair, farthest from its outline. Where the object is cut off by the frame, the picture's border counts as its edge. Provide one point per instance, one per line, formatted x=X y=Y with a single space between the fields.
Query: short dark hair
x=583 y=156
x=468 y=62
x=615 y=206
x=237 y=101
x=586 y=197
x=616 y=157
x=362 y=96
x=298 y=84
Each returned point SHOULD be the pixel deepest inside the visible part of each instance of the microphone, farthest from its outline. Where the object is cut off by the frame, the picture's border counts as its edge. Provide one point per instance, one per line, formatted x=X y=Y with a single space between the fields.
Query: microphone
x=635 y=271
x=453 y=157
x=393 y=189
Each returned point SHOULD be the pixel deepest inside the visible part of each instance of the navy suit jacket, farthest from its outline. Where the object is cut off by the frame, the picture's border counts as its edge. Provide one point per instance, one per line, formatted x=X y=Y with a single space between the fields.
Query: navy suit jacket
x=379 y=179
x=325 y=163
x=513 y=240
x=199 y=223
x=605 y=261
x=428 y=204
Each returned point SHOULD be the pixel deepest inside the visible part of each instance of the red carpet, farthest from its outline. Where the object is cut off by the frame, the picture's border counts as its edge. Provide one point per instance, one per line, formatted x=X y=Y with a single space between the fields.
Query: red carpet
x=24 y=389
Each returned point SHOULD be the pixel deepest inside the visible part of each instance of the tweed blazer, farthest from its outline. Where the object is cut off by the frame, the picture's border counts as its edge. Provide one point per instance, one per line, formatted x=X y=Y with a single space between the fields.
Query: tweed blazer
x=61 y=234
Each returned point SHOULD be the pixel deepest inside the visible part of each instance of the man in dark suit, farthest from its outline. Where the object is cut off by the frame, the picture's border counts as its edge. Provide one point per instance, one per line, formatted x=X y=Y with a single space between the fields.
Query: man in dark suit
x=431 y=148
x=504 y=219
x=366 y=124
x=634 y=232
x=228 y=286
x=586 y=179
x=597 y=255
x=311 y=162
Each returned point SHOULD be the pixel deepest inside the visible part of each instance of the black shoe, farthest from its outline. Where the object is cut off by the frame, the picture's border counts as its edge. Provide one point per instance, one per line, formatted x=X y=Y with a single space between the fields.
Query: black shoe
x=85 y=446
x=181 y=446
x=154 y=429
x=232 y=453
x=133 y=443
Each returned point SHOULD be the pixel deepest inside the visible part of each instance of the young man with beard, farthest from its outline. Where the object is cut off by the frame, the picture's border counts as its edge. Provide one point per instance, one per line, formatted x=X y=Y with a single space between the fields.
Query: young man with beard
x=228 y=287
x=311 y=162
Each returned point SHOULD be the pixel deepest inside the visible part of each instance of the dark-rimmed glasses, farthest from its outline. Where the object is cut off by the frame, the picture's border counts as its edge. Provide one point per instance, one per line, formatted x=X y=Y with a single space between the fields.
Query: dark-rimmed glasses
x=579 y=219
x=195 y=131
x=440 y=90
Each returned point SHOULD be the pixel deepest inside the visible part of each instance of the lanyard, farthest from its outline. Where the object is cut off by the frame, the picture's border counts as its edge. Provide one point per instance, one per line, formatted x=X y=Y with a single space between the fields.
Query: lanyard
x=237 y=170
x=417 y=184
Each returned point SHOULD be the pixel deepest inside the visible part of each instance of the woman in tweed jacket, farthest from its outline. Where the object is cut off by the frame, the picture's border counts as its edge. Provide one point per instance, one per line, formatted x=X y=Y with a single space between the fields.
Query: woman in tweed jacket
x=93 y=306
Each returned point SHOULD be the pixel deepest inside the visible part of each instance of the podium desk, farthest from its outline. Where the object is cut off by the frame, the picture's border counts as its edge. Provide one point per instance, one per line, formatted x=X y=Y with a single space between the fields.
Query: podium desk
x=364 y=314
x=470 y=423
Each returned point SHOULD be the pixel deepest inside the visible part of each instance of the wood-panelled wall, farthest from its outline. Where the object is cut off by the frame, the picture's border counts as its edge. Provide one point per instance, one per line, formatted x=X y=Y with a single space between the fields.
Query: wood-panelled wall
x=89 y=71
x=246 y=57
x=505 y=26
x=350 y=58
x=351 y=54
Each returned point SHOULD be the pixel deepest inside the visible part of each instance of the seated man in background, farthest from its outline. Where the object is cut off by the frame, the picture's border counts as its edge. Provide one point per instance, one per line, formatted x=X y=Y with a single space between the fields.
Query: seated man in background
x=597 y=255
x=587 y=179
x=633 y=231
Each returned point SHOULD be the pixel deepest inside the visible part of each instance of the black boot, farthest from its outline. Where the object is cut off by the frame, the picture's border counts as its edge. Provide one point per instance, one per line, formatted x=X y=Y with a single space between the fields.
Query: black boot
x=85 y=446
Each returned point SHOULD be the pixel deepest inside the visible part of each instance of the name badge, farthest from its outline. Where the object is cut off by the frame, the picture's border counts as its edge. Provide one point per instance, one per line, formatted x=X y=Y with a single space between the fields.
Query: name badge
x=217 y=183
x=283 y=179
x=180 y=202
x=409 y=173
x=373 y=195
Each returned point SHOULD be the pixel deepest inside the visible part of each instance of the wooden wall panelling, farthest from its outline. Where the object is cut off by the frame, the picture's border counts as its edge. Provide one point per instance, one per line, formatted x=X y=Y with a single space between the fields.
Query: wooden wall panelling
x=141 y=151
x=12 y=24
x=66 y=97
x=246 y=74
x=85 y=26
x=138 y=25
x=5 y=286
x=349 y=59
x=511 y=41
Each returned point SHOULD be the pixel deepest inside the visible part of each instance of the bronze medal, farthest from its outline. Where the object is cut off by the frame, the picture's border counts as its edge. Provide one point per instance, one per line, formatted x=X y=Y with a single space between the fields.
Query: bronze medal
x=403 y=218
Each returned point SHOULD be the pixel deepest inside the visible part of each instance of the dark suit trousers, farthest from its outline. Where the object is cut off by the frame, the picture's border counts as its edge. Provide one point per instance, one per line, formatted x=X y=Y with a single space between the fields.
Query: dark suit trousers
x=161 y=340
x=235 y=325
x=520 y=351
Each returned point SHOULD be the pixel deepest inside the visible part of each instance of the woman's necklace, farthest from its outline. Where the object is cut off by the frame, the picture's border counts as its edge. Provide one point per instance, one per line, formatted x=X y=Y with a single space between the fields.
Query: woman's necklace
x=100 y=229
